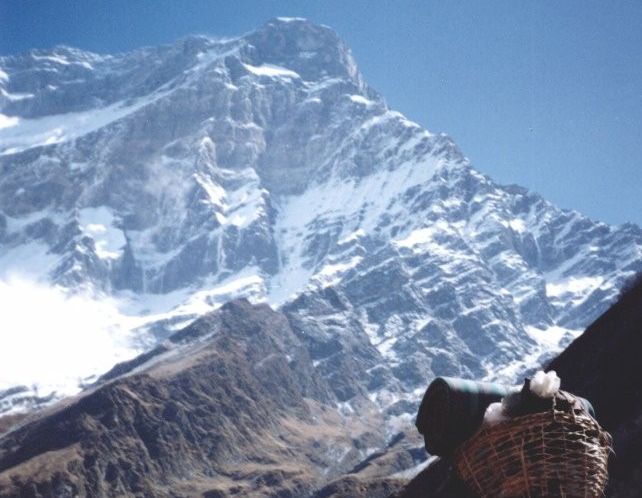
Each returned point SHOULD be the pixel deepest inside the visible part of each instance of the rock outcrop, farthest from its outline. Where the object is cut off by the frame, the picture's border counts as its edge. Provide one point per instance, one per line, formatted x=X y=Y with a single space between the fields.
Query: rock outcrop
x=230 y=407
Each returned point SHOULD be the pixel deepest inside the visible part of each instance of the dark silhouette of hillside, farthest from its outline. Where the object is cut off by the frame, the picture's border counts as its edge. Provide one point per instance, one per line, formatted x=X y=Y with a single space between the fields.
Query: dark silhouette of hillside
x=605 y=365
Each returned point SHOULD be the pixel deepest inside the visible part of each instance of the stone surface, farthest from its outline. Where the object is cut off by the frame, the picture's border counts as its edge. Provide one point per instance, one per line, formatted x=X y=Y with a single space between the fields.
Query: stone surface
x=231 y=407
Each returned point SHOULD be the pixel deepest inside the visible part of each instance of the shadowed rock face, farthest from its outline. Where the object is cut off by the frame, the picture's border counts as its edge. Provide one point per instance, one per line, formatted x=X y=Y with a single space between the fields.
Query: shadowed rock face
x=438 y=480
x=350 y=487
x=604 y=365
x=230 y=407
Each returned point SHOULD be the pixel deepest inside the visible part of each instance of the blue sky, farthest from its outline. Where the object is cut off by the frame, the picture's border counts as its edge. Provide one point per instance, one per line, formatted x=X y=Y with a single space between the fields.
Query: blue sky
x=546 y=94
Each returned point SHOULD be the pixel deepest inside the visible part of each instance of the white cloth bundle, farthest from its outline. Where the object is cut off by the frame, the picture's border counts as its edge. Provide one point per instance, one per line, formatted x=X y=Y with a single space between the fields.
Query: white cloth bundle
x=545 y=385
x=542 y=385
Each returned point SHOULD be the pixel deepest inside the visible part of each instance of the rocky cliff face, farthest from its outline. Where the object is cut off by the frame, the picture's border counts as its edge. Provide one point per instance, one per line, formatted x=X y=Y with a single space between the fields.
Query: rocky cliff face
x=172 y=179
x=229 y=406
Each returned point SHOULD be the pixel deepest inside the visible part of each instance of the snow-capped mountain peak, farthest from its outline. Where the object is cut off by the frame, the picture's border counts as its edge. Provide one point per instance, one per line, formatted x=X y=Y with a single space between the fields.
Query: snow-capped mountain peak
x=314 y=52
x=171 y=179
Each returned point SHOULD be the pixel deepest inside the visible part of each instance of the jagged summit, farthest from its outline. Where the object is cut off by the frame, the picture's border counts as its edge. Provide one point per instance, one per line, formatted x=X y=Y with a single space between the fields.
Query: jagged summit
x=311 y=50
x=63 y=79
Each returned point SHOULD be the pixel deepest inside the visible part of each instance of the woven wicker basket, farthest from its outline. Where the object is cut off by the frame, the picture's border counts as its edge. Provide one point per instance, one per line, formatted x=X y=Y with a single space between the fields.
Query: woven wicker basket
x=562 y=452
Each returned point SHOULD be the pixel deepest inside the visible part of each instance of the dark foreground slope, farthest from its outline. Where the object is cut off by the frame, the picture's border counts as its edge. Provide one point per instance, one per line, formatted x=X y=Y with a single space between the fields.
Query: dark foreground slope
x=228 y=407
x=604 y=365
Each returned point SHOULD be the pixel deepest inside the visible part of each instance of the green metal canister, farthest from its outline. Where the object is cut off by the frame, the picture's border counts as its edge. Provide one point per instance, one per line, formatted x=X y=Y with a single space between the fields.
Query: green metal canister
x=453 y=409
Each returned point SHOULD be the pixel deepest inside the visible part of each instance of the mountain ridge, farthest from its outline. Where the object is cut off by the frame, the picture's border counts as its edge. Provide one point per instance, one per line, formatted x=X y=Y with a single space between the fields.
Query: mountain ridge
x=237 y=401
x=264 y=167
